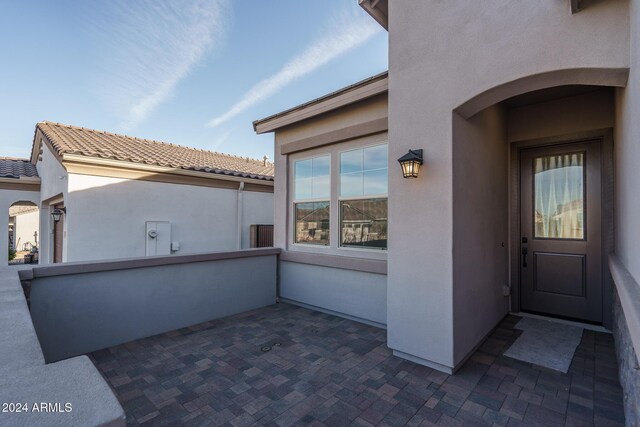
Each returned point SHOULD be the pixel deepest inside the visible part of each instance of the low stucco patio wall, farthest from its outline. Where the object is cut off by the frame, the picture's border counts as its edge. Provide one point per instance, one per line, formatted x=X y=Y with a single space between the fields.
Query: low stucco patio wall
x=340 y=289
x=626 y=331
x=78 y=308
x=72 y=391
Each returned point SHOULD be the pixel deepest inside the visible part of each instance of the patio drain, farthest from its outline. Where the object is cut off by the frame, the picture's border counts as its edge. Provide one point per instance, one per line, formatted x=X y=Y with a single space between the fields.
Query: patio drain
x=267 y=348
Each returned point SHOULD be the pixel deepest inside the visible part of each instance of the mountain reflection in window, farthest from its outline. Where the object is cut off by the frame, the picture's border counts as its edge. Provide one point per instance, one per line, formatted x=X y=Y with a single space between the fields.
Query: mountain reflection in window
x=363 y=223
x=559 y=196
x=312 y=223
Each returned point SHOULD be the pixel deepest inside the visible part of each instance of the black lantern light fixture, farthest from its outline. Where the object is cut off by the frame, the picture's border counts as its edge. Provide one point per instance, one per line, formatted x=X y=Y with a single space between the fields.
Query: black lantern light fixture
x=57 y=213
x=410 y=163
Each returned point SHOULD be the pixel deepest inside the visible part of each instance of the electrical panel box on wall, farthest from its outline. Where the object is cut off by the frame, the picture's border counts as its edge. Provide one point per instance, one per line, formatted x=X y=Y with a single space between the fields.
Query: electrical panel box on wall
x=158 y=238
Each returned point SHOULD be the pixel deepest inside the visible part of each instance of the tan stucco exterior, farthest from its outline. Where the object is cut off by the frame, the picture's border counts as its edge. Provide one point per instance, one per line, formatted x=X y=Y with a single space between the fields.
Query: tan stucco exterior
x=317 y=132
x=467 y=82
x=443 y=55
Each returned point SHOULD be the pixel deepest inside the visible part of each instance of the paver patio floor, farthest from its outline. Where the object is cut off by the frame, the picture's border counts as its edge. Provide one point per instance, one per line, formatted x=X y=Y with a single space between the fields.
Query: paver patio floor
x=326 y=370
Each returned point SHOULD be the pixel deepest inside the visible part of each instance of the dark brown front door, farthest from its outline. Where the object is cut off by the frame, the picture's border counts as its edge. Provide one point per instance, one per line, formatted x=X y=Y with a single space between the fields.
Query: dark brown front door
x=560 y=231
x=58 y=234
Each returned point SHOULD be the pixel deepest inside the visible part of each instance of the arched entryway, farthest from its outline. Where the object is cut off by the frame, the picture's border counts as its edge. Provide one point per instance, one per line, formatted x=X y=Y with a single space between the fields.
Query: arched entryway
x=23 y=233
x=533 y=185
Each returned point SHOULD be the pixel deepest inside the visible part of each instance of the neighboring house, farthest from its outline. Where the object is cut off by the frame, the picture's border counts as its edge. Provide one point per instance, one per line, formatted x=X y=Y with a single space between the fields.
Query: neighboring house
x=506 y=100
x=19 y=196
x=117 y=196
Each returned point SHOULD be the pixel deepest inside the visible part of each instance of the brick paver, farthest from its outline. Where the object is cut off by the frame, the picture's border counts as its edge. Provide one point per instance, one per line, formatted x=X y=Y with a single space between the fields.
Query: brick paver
x=284 y=365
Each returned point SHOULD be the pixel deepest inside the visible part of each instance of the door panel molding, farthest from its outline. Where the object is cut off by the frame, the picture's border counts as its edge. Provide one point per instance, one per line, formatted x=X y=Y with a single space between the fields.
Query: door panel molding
x=607 y=220
x=537 y=267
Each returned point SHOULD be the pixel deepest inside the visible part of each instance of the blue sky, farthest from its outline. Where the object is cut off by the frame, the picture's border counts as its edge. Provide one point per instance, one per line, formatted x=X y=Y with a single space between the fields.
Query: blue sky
x=189 y=72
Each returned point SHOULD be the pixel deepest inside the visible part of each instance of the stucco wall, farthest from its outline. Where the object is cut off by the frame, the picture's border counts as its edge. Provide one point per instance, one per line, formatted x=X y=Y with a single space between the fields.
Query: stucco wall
x=106 y=216
x=627 y=207
x=480 y=227
x=579 y=113
x=24 y=377
x=354 y=115
x=442 y=54
x=54 y=180
x=355 y=294
x=257 y=208
x=627 y=157
x=52 y=174
x=78 y=313
x=359 y=295
x=364 y=111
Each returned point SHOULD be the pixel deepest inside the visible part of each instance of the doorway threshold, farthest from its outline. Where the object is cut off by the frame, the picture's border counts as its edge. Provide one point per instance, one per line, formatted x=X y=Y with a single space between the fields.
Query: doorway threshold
x=587 y=326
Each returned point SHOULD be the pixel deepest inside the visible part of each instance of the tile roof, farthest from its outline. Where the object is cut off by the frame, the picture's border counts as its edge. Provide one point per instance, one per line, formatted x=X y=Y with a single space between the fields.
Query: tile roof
x=68 y=139
x=17 y=168
x=16 y=210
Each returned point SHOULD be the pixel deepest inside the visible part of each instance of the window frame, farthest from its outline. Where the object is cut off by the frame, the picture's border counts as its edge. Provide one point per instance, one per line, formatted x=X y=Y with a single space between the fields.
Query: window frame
x=310 y=200
x=341 y=198
x=334 y=247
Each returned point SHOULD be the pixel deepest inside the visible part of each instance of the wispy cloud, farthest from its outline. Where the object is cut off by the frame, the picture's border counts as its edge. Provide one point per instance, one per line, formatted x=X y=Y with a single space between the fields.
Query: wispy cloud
x=221 y=140
x=346 y=32
x=149 y=46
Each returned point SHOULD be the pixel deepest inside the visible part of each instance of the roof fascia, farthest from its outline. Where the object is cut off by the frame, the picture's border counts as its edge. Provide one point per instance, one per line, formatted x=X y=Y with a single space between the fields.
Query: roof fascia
x=70 y=160
x=373 y=9
x=22 y=184
x=35 y=155
x=323 y=105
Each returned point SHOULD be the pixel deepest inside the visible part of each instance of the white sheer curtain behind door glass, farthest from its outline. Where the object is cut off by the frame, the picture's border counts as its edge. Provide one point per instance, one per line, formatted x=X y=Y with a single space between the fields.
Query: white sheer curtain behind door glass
x=559 y=196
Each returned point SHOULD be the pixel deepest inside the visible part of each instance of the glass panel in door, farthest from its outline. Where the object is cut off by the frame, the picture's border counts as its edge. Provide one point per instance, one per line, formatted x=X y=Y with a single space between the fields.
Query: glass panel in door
x=559 y=196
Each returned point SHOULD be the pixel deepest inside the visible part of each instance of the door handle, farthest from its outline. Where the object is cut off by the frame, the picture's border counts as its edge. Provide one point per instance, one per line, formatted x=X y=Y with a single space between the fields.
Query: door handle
x=525 y=251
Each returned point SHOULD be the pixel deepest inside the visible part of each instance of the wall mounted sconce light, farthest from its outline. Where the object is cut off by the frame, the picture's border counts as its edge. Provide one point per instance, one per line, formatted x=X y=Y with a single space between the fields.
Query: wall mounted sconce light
x=57 y=213
x=410 y=163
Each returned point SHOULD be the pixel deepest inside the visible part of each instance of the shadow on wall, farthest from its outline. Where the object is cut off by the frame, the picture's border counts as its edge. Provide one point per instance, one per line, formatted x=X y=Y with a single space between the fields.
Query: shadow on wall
x=78 y=308
x=116 y=218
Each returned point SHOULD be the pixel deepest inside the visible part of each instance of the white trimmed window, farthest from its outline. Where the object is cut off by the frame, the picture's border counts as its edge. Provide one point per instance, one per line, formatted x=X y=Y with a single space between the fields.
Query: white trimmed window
x=312 y=200
x=363 y=197
x=338 y=199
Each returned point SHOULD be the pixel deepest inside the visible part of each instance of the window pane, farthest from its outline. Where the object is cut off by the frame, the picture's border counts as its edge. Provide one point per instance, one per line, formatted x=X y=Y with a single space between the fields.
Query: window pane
x=322 y=187
x=303 y=189
x=559 y=196
x=351 y=184
x=375 y=182
x=303 y=169
x=321 y=166
x=375 y=157
x=312 y=223
x=321 y=177
x=351 y=161
x=363 y=172
x=312 y=178
x=363 y=223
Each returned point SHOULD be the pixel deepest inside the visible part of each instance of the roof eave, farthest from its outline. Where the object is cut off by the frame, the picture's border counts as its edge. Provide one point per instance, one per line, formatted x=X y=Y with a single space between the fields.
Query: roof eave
x=27 y=180
x=266 y=180
x=377 y=9
x=364 y=89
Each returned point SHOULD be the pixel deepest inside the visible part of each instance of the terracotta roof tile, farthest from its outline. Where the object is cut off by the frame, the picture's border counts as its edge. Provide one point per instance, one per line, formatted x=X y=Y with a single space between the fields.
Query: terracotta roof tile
x=68 y=139
x=16 y=168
